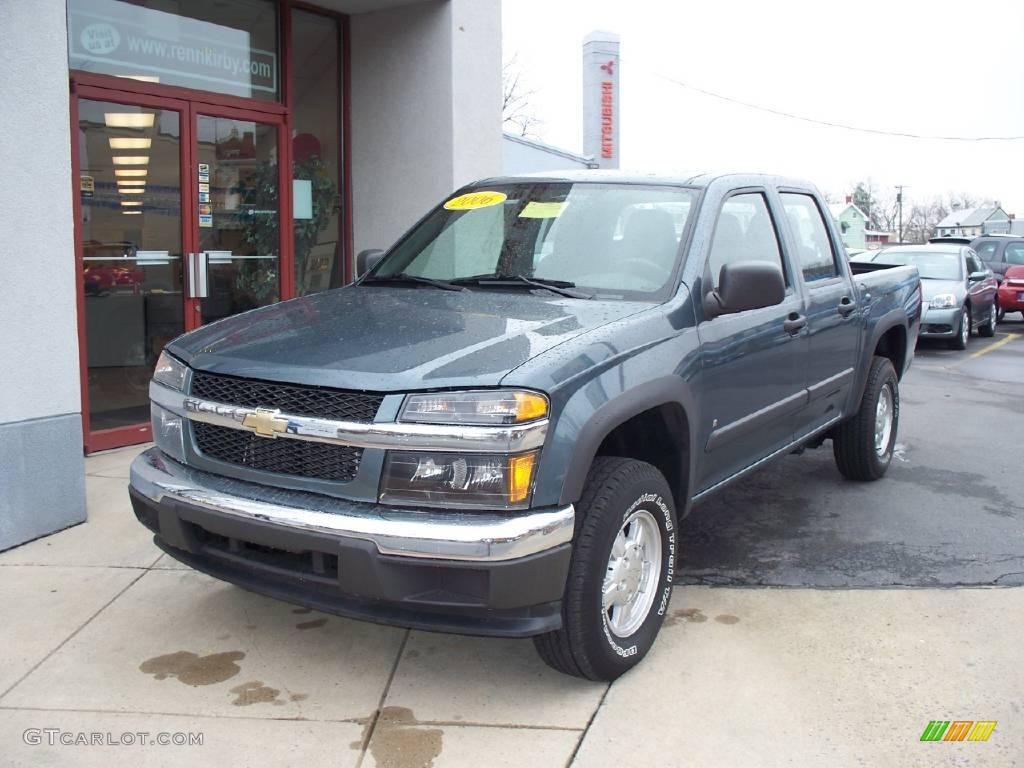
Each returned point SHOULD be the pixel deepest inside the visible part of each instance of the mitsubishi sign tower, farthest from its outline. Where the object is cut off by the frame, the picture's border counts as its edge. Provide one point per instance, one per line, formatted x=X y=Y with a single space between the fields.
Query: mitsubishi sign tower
x=601 y=98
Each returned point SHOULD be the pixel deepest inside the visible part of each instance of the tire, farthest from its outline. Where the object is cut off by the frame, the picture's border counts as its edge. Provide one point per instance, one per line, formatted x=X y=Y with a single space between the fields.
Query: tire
x=963 y=331
x=1001 y=314
x=988 y=329
x=860 y=452
x=616 y=492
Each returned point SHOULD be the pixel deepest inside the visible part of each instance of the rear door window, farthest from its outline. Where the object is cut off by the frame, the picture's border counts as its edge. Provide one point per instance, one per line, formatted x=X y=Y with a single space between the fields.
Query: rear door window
x=1014 y=253
x=815 y=255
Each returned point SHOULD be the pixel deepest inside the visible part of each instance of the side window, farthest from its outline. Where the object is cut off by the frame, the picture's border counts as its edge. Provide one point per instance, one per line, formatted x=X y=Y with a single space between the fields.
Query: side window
x=972 y=264
x=1014 y=253
x=813 y=246
x=987 y=251
x=743 y=232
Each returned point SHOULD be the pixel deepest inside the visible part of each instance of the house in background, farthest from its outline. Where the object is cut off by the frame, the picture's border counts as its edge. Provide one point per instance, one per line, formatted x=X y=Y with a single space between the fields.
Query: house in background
x=1013 y=226
x=972 y=222
x=852 y=221
x=874 y=238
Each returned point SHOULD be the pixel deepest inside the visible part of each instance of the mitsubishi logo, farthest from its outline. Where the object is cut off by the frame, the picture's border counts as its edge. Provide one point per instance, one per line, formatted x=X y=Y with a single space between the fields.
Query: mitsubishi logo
x=265 y=422
x=609 y=67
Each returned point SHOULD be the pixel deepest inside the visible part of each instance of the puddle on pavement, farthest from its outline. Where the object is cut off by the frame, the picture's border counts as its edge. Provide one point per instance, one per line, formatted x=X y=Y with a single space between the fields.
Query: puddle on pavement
x=692 y=615
x=727 y=618
x=398 y=743
x=302 y=610
x=311 y=624
x=192 y=669
x=255 y=692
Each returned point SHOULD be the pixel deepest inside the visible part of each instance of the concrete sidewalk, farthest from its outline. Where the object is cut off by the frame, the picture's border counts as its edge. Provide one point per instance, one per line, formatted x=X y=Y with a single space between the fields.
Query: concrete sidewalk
x=103 y=634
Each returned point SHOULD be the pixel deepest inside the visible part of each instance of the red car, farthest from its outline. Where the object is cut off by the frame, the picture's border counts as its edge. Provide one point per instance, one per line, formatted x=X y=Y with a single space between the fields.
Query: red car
x=1011 y=291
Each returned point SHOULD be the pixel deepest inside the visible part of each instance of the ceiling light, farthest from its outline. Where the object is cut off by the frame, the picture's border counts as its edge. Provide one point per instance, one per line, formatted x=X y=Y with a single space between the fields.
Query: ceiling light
x=130 y=190
x=131 y=213
x=122 y=143
x=128 y=119
x=131 y=182
x=125 y=172
x=142 y=78
x=130 y=159
x=130 y=203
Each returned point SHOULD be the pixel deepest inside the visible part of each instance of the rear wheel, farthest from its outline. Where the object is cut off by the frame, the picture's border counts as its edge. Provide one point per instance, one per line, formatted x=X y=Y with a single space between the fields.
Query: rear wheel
x=863 y=444
x=989 y=328
x=1001 y=313
x=963 y=331
x=620 y=577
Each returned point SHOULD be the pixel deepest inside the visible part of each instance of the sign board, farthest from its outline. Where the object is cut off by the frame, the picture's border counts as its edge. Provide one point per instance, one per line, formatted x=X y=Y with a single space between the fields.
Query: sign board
x=122 y=38
x=601 y=98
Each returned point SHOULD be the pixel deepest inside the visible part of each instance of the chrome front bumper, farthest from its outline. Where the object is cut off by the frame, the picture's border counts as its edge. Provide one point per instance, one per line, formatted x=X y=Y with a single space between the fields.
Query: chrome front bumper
x=427 y=533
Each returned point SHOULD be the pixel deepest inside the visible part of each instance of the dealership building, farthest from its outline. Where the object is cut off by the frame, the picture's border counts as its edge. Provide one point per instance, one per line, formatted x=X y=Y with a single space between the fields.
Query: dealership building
x=168 y=163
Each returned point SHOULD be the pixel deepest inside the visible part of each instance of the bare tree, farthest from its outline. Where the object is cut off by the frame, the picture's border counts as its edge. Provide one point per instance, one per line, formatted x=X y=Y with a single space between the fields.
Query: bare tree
x=516 y=110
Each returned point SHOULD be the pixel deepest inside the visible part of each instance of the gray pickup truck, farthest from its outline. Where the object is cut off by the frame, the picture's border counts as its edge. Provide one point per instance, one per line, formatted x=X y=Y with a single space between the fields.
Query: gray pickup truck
x=497 y=428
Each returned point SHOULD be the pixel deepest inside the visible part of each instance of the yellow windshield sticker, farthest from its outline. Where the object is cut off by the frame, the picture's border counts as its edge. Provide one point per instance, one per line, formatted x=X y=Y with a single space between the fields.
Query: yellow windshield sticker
x=537 y=210
x=473 y=200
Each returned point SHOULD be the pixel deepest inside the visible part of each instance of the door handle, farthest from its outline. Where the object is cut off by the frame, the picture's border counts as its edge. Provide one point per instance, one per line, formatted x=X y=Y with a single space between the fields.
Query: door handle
x=794 y=323
x=846 y=306
x=198 y=282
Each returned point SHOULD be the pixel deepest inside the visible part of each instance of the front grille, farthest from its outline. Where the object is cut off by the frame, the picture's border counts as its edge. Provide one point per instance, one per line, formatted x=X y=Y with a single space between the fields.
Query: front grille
x=299 y=458
x=293 y=399
x=322 y=566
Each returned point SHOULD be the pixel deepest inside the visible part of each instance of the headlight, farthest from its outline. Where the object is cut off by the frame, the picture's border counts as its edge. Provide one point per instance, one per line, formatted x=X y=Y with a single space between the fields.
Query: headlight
x=943 y=301
x=485 y=407
x=170 y=372
x=168 y=432
x=482 y=481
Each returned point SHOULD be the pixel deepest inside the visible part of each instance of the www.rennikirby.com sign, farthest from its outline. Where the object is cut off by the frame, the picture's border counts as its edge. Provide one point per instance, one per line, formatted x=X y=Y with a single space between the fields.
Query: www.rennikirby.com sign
x=118 y=38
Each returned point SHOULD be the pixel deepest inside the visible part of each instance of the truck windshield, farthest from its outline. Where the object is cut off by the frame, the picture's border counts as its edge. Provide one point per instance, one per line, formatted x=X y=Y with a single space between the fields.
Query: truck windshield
x=606 y=240
x=932 y=265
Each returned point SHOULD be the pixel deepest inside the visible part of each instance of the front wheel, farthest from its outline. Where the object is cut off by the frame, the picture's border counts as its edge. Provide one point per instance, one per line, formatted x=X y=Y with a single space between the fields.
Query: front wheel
x=620 y=577
x=863 y=444
x=963 y=332
x=988 y=330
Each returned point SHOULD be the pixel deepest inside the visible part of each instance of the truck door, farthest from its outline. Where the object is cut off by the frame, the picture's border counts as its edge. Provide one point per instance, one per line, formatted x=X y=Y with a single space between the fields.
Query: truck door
x=833 y=320
x=752 y=383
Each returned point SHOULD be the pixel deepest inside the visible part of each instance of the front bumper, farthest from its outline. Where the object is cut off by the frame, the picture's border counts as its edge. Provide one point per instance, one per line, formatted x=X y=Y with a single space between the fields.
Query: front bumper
x=454 y=571
x=940 y=323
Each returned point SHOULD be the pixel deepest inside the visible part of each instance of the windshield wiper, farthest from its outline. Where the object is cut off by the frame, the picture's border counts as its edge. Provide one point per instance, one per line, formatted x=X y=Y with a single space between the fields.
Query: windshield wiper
x=402 y=277
x=562 y=287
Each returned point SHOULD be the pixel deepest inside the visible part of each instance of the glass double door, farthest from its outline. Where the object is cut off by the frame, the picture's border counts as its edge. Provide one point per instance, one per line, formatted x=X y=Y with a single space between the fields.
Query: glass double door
x=179 y=224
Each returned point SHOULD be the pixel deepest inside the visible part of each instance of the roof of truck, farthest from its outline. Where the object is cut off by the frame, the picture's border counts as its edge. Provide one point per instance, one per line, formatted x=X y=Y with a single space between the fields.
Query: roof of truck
x=684 y=178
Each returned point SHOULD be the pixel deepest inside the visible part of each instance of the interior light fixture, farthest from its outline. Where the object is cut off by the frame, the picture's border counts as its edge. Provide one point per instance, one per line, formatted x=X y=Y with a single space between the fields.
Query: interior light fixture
x=130 y=159
x=130 y=203
x=131 y=213
x=126 y=143
x=126 y=172
x=131 y=190
x=129 y=119
x=131 y=182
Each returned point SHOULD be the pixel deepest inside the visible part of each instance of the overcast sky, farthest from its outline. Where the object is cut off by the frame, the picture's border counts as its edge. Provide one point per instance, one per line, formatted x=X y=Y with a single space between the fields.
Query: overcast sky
x=925 y=68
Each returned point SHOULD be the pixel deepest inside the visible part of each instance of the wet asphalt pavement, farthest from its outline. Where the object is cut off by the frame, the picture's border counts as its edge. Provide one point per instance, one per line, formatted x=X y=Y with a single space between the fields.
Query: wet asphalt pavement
x=950 y=511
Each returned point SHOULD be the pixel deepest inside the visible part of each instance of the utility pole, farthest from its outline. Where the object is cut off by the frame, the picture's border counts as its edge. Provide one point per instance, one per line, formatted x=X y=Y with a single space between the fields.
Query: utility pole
x=899 y=205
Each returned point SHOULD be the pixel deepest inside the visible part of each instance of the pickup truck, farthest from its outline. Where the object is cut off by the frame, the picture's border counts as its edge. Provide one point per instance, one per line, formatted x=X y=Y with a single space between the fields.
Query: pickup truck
x=498 y=427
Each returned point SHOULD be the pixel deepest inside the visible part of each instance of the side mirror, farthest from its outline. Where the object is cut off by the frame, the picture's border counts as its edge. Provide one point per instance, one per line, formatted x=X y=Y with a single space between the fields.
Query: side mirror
x=746 y=285
x=367 y=260
x=977 y=277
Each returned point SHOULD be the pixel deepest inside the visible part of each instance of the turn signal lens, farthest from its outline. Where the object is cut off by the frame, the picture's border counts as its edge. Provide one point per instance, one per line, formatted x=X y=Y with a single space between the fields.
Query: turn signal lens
x=520 y=475
x=483 y=407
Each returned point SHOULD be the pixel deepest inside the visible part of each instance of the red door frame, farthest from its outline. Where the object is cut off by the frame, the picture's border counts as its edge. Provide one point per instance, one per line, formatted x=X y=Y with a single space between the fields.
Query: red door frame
x=188 y=103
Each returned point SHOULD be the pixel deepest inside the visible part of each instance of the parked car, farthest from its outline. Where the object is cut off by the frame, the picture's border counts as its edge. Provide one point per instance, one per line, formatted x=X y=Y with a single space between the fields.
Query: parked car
x=959 y=291
x=1011 y=291
x=489 y=436
x=999 y=253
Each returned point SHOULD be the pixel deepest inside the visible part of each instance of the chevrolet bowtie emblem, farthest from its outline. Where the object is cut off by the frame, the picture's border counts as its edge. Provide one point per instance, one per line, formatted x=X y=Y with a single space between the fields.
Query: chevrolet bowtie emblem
x=265 y=421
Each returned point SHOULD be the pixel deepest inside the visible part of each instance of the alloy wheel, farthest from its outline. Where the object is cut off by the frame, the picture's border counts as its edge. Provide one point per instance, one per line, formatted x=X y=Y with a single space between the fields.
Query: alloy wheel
x=631 y=577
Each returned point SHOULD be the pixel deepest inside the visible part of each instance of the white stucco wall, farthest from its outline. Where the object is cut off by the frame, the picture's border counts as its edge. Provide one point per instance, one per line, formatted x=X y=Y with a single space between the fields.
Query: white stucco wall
x=39 y=342
x=425 y=110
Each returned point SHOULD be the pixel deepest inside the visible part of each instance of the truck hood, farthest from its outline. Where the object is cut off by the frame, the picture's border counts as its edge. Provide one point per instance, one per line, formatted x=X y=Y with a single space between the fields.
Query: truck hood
x=392 y=339
x=930 y=288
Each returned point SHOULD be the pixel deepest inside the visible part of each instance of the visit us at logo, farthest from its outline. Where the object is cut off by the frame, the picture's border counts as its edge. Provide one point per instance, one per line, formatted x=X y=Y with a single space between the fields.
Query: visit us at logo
x=958 y=730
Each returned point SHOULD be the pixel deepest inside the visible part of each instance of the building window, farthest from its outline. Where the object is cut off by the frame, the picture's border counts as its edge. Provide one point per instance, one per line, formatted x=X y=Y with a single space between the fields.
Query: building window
x=230 y=46
x=316 y=152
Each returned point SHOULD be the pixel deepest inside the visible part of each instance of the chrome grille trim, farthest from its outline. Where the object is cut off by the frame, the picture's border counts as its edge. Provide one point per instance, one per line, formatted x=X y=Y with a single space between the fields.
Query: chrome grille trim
x=385 y=435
